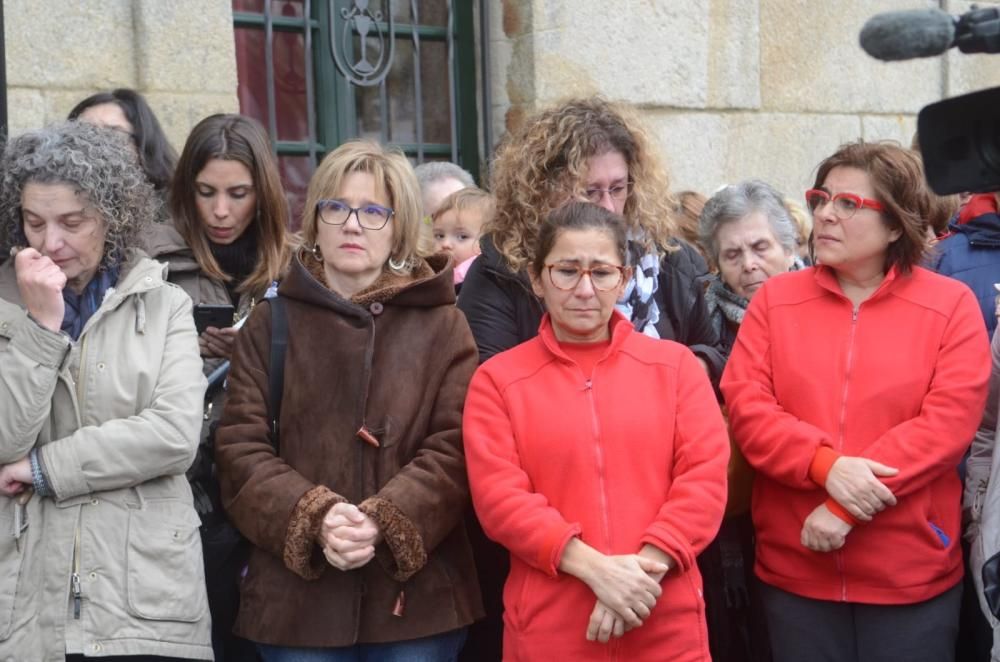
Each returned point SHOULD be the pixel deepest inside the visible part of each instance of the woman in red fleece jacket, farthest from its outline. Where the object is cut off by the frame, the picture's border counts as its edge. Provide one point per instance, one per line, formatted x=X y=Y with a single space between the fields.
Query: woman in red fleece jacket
x=603 y=498
x=853 y=389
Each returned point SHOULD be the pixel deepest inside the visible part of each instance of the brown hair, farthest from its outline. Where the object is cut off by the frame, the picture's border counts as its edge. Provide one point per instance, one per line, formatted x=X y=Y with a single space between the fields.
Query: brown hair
x=537 y=168
x=394 y=175
x=897 y=176
x=578 y=216
x=689 y=206
x=241 y=139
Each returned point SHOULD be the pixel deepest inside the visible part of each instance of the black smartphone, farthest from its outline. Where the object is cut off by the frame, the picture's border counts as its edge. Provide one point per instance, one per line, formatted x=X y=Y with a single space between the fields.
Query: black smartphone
x=213 y=314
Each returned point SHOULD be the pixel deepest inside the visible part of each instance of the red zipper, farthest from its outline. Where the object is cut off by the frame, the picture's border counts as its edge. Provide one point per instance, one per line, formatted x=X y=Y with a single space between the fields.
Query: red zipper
x=599 y=454
x=840 y=437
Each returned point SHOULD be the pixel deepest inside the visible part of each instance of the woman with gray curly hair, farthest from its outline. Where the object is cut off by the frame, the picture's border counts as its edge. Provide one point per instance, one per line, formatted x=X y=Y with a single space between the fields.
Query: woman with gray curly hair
x=100 y=401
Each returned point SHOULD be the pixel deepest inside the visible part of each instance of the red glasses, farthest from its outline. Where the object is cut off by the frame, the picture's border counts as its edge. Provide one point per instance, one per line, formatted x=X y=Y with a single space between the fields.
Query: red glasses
x=845 y=205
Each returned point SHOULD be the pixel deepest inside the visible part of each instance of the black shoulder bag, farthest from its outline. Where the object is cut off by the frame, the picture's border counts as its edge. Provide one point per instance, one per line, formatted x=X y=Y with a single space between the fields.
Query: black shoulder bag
x=226 y=550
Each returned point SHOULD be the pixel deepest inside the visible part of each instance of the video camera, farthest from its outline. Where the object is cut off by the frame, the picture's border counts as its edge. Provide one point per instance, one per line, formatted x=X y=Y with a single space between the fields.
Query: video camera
x=959 y=137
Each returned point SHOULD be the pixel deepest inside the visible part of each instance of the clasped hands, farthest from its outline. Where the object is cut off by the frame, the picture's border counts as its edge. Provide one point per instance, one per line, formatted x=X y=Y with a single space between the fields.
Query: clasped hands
x=348 y=537
x=854 y=483
x=627 y=586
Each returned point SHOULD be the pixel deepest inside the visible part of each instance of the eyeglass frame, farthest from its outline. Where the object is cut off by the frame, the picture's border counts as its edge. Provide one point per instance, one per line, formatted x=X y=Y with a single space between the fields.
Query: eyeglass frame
x=353 y=210
x=587 y=192
x=860 y=202
x=622 y=273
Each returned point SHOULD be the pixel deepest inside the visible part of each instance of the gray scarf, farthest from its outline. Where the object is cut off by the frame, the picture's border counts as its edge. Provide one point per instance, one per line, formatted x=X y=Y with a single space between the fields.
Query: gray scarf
x=733 y=307
x=718 y=296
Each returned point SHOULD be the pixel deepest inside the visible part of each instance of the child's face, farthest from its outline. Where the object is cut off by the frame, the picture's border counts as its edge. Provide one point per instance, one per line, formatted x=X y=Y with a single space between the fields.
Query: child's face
x=458 y=233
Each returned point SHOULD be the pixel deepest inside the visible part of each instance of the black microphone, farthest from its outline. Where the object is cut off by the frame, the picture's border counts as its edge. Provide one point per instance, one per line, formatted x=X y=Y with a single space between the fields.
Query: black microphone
x=978 y=31
x=902 y=35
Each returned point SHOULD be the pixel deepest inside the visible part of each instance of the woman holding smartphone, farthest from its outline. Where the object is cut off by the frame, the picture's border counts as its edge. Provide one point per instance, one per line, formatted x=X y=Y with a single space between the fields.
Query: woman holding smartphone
x=228 y=241
x=226 y=245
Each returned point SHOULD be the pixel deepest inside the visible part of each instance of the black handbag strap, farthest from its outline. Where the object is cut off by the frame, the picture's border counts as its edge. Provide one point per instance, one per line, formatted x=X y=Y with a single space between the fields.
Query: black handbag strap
x=276 y=369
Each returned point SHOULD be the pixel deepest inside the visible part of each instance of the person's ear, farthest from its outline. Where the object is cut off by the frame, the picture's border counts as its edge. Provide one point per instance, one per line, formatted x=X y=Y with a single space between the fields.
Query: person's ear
x=626 y=277
x=536 y=283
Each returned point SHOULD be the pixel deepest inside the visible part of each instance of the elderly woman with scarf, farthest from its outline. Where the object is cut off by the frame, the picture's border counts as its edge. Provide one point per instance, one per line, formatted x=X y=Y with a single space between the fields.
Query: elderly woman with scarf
x=100 y=410
x=749 y=235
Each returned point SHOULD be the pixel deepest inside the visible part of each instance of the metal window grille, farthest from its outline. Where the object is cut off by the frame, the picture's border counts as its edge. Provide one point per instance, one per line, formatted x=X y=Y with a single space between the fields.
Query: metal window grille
x=319 y=72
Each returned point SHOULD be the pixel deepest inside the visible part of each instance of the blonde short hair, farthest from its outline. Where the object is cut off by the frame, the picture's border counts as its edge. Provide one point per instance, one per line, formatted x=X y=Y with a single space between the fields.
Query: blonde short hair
x=393 y=175
x=467 y=198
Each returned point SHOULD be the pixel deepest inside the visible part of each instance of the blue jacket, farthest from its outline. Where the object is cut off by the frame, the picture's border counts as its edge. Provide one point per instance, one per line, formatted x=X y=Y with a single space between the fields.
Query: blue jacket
x=972 y=255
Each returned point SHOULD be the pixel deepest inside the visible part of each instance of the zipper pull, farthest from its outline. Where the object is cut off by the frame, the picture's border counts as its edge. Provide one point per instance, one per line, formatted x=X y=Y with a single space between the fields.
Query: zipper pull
x=21 y=515
x=400 y=607
x=19 y=523
x=367 y=436
x=587 y=385
x=76 y=595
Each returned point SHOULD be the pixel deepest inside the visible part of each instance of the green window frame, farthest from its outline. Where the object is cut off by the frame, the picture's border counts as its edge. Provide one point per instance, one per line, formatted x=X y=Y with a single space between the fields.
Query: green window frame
x=332 y=98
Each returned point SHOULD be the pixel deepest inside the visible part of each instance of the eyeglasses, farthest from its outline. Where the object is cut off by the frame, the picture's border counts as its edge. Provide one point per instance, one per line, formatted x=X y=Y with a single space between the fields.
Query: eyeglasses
x=604 y=277
x=617 y=192
x=845 y=205
x=370 y=217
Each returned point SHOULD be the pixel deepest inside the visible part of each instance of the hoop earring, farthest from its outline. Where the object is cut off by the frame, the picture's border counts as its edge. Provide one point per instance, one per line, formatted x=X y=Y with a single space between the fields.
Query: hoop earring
x=397 y=266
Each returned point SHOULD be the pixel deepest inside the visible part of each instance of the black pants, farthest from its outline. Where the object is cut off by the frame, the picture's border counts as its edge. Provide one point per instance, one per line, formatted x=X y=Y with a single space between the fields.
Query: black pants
x=821 y=631
x=975 y=636
x=737 y=629
x=225 y=554
x=485 y=640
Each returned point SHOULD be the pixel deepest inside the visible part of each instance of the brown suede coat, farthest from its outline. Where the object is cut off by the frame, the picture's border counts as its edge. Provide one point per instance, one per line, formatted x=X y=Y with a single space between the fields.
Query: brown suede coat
x=396 y=359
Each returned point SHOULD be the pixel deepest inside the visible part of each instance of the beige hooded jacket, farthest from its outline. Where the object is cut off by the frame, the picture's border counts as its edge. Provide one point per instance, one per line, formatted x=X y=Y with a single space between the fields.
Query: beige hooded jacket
x=110 y=565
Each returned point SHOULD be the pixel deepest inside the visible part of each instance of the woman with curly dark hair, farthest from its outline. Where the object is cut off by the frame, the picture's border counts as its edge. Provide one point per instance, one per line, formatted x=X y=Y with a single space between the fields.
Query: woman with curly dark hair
x=595 y=150
x=100 y=400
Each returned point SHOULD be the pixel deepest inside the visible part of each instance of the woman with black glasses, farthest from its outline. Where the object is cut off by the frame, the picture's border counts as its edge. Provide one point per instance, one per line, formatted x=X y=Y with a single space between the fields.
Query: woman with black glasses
x=603 y=498
x=355 y=512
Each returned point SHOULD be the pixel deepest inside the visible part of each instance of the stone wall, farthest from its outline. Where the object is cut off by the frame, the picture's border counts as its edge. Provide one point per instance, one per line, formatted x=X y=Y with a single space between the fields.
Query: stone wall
x=179 y=54
x=732 y=88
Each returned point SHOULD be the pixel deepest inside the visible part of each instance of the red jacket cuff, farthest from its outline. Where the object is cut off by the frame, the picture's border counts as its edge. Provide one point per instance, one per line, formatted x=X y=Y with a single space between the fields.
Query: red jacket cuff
x=552 y=548
x=821 y=464
x=841 y=512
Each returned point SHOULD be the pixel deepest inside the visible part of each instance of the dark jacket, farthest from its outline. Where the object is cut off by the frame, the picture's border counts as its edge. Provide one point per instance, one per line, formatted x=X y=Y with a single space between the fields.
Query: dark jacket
x=971 y=254
x=503 y=311
x=396 y=360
